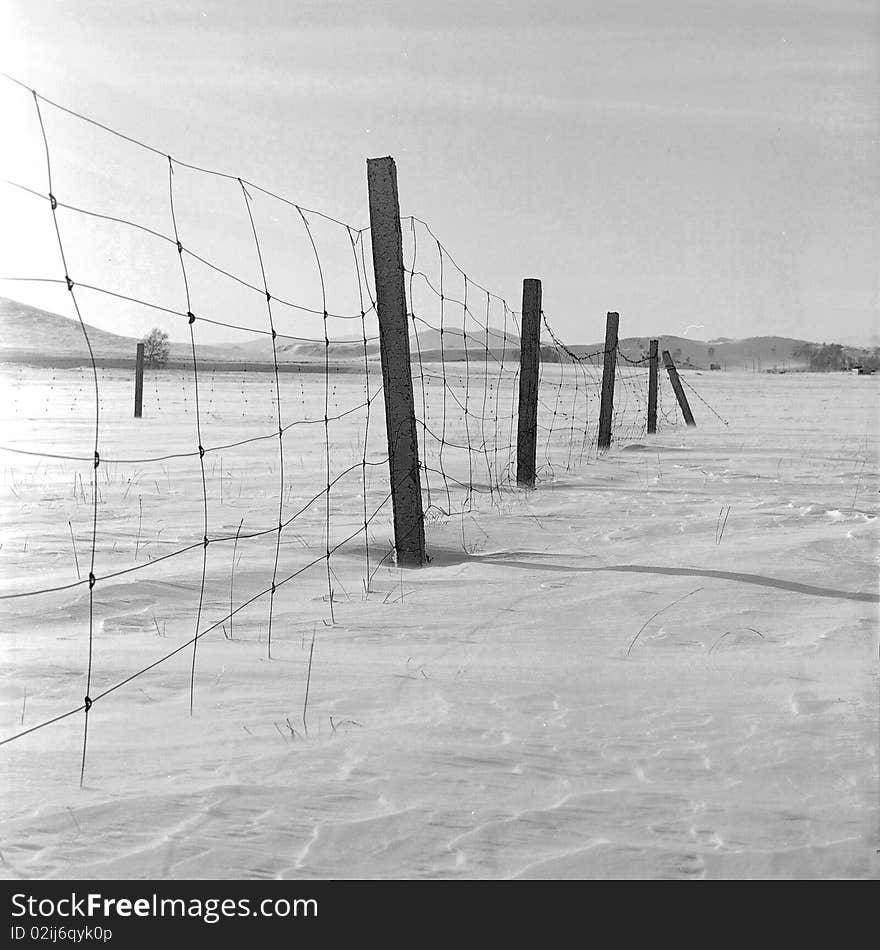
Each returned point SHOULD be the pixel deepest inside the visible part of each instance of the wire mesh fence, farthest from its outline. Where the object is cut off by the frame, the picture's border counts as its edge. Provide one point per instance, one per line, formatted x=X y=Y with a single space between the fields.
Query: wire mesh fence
x=258 y=475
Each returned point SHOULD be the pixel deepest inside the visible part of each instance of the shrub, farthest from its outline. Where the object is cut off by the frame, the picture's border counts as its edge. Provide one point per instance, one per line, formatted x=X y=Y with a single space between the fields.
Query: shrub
x=156 y=348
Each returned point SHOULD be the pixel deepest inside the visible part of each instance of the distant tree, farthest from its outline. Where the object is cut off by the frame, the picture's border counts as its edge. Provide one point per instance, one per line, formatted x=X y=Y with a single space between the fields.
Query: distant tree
x=823 y=357
x=156 y=348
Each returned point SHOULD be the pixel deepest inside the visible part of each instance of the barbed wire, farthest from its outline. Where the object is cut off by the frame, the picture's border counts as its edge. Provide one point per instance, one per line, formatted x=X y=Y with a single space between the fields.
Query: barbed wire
x=703 y=401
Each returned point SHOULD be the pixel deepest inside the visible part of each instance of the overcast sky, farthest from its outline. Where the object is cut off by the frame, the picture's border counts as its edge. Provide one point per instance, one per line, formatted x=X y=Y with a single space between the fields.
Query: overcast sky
x=702 y=166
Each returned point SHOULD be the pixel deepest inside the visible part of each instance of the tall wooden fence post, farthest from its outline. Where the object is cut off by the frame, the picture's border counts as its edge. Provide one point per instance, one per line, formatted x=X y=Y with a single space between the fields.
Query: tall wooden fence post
x=606 y=407
x=139 y=382
x=400 y=417
x=529 y=358
x=678 y=388
x=652 y=386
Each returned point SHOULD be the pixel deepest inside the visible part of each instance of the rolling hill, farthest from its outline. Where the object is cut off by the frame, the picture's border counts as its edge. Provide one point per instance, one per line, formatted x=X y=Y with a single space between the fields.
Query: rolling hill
x=29 y=334
x=754 y=353
x=26 y=330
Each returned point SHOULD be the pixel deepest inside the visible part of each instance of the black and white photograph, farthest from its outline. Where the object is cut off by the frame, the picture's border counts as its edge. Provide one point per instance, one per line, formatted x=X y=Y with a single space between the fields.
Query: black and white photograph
x=439 y=442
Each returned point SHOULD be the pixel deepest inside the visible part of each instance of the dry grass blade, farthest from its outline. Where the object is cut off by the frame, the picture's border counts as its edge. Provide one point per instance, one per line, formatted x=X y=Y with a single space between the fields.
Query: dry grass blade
x=729 y=632
x=75 y=558
x=308 y=681
x=657 y=614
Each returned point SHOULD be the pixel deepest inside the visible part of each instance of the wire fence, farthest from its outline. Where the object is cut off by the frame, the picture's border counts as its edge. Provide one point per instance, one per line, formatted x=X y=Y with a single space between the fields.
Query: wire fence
x=253 y=473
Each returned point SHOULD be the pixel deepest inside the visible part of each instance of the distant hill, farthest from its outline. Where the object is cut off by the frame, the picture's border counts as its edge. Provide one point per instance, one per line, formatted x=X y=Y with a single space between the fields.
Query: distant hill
x=28 y=334
x=427 y=343
x=871 y=341
x=296 y=351
x=431 y=348
x=26 y=330
x=758 y=353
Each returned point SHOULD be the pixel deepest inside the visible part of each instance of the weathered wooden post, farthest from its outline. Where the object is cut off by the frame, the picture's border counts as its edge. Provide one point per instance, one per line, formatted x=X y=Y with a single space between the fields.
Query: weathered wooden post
x=400 y=418
x=652 y=386
x=678 y=388
x=139 y=382
x=529 y=357
x=609 y=365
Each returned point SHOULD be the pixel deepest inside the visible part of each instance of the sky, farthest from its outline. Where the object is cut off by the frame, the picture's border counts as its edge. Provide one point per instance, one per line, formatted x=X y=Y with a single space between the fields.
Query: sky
x=703 y=168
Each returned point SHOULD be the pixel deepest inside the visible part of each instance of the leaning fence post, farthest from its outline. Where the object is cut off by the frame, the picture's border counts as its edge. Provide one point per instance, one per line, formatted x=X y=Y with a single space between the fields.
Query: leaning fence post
x=400 y=418
x=652 y=386
x=606 y=407
x=678 y=388
x=139 y=382
x=529 y=357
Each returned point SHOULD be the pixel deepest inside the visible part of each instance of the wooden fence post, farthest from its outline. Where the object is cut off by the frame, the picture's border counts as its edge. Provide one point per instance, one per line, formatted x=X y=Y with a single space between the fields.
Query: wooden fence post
x=400 y=418
x=678 y=388
x=606 y=407
x=139 y=382
x=529 y=358
x=652 y=386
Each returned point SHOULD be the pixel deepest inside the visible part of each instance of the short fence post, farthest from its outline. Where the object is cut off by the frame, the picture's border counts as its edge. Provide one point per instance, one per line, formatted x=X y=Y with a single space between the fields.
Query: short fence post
x=529 y=357
x=139 y=382
x=400 y=419
x=606 y=407
x=677 y=387
x=652 y=386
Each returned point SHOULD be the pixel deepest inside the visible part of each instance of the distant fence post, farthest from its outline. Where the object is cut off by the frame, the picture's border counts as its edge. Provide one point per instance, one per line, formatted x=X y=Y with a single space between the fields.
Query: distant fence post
x=529 y=358
x=139 y=382
x=400 y=419
x=652 y=386
x=678 y=388
x=606 y=407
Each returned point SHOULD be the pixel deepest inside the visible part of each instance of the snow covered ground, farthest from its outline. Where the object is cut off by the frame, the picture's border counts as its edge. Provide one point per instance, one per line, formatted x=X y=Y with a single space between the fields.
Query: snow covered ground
x=509 y=710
